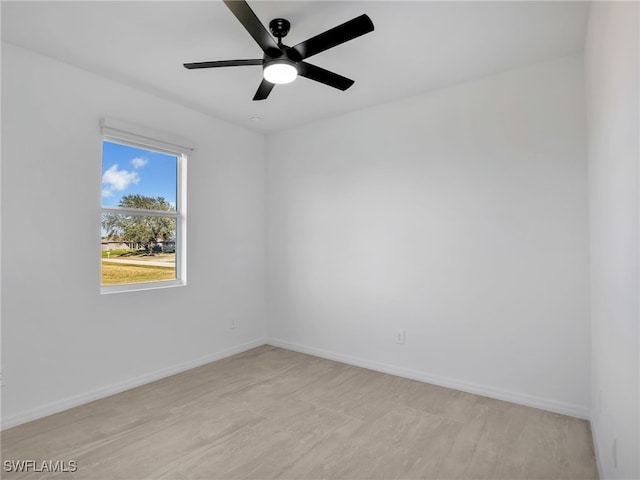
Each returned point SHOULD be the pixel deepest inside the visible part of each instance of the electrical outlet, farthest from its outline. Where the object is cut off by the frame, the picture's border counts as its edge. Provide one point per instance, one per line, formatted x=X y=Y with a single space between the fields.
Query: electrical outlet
x=400 y=336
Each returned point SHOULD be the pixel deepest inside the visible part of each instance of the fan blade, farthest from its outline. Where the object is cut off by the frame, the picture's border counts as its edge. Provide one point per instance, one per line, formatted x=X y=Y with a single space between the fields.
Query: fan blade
x=321 y=75
x=252 y=24
x=264 y=90
x=223 y=63
x=336 y=36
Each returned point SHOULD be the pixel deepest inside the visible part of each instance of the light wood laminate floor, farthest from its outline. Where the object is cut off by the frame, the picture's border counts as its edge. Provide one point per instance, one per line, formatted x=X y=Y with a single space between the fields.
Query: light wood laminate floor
x=272 y=413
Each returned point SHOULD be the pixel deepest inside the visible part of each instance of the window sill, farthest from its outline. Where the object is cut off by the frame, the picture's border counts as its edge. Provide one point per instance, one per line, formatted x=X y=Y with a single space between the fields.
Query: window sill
x=136 y=287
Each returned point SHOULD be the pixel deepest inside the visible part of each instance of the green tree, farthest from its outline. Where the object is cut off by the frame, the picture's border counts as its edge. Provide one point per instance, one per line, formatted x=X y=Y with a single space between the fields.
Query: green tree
x=144 y=230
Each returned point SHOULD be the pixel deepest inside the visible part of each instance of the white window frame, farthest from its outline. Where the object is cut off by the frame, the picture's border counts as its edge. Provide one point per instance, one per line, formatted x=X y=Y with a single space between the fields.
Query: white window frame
x=124 y=133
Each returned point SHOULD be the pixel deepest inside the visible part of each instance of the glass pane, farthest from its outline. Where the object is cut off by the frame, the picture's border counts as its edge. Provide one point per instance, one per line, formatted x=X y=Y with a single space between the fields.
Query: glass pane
x=138 y=178
x=137 y=248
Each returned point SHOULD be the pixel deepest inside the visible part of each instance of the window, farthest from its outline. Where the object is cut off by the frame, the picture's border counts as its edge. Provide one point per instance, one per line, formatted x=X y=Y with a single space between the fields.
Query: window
x=143 y=224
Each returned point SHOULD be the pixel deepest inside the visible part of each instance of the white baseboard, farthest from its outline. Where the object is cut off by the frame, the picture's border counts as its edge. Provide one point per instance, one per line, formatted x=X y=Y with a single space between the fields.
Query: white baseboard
x=514 y=397
x=76 y=400
x=555 y=406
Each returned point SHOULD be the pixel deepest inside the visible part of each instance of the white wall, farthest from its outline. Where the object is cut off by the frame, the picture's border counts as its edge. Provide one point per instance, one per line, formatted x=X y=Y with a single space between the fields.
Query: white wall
x=612 y=80
x=459 y=216
x=64 y=343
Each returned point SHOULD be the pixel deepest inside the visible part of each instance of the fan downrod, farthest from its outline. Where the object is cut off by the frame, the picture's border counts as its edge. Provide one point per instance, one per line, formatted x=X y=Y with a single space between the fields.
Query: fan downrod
x=279 y=28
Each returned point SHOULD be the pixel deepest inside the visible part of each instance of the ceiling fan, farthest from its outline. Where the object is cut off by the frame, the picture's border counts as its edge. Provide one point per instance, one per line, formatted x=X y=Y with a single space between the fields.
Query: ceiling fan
x=281 y=63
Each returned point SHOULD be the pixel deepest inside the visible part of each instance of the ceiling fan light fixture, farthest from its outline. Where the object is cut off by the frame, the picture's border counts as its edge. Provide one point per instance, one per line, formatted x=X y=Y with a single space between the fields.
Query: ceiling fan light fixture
x=281 y=63
x=280 y=71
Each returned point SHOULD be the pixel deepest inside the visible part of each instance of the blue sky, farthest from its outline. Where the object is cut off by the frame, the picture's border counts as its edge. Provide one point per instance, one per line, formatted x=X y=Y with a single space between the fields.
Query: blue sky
x=129 y=170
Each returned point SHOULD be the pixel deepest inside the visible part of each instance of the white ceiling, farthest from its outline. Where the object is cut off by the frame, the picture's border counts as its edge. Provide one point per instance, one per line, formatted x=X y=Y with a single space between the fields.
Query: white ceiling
x=416 y=46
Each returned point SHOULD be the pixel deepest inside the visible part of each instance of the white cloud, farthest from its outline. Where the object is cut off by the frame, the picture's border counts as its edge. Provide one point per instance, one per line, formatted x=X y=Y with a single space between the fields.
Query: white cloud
x=114 y=179
x=138 y=162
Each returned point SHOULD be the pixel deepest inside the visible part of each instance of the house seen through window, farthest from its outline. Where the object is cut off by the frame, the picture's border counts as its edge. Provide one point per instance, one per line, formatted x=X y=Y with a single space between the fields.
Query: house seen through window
x=141 y=230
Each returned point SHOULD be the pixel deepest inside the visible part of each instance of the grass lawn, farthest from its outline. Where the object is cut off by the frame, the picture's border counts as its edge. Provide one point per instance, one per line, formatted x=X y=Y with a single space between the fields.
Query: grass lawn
x=118 y=273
